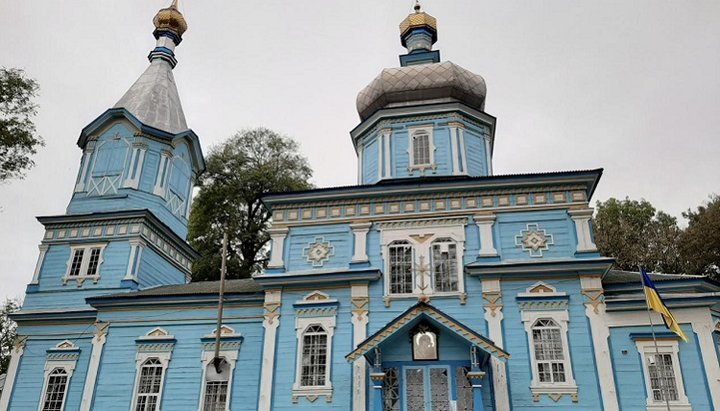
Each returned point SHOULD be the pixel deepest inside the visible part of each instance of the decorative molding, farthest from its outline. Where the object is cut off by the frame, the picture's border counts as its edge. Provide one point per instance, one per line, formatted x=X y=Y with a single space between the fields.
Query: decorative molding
x=360 y=303
x=360 y=231
x=431 y=222
x=594 y=297
x=273 y=302
x=319 y=252
x=543 y=305
x=98 y=342
x=494 y=299
x=534 y=240
x=277 y=236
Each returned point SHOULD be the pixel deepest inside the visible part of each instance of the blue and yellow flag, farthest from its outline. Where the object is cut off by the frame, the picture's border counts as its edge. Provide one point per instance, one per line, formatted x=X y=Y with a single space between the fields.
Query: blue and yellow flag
x=654 y=302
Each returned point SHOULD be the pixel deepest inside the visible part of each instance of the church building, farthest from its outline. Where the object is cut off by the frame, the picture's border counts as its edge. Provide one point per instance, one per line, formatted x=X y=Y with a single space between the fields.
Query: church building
x=431 y=285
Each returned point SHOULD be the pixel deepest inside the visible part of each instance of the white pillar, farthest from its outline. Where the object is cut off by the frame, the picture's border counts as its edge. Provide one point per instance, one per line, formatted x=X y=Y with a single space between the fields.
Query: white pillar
x=136 y=247
x=492 y=294
x=360 y=231
x=387 y=132
x=80 y=186
x=271 y=323
x=591 y=288
x=487 y=243
x=703 y=328
x=488 y=156
x=277 y=235
x=360 y=150
x=581 y=218
x=454 y=148
x=11 y=374
x=97 y=347
x=38 y=265
x=360 y=309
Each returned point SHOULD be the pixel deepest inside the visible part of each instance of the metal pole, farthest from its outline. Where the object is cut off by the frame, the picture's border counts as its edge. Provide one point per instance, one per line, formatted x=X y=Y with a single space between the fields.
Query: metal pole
x=664 y=389
x=223 y=269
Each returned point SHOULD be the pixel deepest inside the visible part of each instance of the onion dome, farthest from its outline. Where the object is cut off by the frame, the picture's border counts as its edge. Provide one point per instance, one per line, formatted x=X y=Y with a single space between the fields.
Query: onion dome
x=170 y=20
x=415 y=23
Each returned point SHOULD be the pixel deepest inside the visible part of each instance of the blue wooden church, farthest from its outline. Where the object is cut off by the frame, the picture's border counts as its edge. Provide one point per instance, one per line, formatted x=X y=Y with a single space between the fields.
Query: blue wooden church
x=432 y=284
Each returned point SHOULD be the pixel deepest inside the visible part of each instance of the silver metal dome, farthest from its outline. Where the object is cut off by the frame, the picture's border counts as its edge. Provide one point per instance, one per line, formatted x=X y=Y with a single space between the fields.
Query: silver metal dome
x=422 y=83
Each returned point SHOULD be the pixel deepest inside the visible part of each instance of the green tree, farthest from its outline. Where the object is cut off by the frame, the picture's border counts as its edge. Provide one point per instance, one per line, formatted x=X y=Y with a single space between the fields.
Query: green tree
x=700 y=242
x=239 y=172
x=636 y=234
x=7 y=332
x=18 y=137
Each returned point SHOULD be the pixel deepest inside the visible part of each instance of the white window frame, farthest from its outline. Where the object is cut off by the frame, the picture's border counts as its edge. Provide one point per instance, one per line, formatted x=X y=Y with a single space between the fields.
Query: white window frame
x=231 y=357
x=50 y=366
x=428 y=129
x=561 y=318
x=163 y=173
x=140 y=359
x=421 y=240
x=87 y=251
x=646 y=348
x=137 y=160
x=301 y=325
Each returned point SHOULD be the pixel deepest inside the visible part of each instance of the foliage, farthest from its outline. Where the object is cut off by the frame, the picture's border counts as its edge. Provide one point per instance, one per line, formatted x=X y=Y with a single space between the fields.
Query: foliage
x=7 y=332
x=635 y=234
x=239 y=172
x=700 y=242
x=18 y=138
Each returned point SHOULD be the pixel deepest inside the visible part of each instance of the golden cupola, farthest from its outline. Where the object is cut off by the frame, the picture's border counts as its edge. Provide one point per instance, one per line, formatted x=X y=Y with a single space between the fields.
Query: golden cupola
x=170 y=20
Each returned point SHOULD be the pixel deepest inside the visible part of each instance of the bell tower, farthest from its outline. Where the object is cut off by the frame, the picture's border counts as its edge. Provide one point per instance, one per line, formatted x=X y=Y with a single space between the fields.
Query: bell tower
x=425 y=118
x=126 y=224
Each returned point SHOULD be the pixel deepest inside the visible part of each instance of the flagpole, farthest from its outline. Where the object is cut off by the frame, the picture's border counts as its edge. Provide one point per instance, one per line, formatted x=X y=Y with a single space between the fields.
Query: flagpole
x=664 y=389
x=221 y=296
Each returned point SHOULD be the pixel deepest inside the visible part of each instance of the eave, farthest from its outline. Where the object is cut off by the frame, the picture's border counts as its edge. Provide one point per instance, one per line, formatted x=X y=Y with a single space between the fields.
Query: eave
x=541 y=268
x=330 y=276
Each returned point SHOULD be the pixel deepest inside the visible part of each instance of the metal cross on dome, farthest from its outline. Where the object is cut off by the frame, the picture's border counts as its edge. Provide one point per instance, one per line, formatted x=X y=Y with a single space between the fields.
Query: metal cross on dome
x=534 y=240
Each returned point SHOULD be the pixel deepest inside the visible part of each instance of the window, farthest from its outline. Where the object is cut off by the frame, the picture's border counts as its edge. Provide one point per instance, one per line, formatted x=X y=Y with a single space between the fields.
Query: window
x=548 y=347
x=401 y=267
x=445 y=272
x=84 y=263
x=55 y=390
x=215 y=393
x=421 y=148
x=314 y=357
x=149 y=385
x=391 y=390
x=465 y=400
x=549 y=354
x=423 y=260
x=662 y=374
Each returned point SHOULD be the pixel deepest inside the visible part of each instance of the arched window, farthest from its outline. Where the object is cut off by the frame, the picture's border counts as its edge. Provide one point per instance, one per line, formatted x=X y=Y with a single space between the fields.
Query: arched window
x=55 y=390
x=445 y=266
x=215 y=392
x=549 y=352
x=400 y=254
x=314 y=363
x=108 y=167
x=149 y=385
x=421 y=148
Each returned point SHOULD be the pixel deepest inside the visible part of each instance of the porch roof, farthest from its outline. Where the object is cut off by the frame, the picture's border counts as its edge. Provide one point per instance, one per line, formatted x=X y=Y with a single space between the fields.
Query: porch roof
x=422 y=309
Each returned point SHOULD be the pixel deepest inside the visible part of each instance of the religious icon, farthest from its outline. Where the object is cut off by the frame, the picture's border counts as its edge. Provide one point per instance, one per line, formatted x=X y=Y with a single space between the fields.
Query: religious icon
x=424 y=346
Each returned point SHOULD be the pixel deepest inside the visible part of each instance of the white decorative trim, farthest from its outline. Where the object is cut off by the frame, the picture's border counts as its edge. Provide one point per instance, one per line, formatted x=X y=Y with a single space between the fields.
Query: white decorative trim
x=360 y=309
x=646 y=348
x=319 y=252
x=85 y=163
x=488 y=156
x=38 y=265
x=387 y=134
x=485 y=224
x=15 y=354
x=301 y=325
x=273 y=301
x=163 y=173
x=429 y=129
x=140 y=358
x=138 y=151
x=50 y=366
x=542 y=289
x=463 y=154
x=360 y=231
x=98 y=342
x=277 y=236
x=136 y=248
x=702 y=325
x=82 y=276
x=581 y=218
x=534 y=240
x=554 y=388
x=492 y=293
x=454 y=151
x=591 y=287
x=206 y=359
x=360 y=150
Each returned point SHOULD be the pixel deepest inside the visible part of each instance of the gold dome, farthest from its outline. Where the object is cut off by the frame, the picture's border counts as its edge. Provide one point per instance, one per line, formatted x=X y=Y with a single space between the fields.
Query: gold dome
x=171 y=19
x=417 y=19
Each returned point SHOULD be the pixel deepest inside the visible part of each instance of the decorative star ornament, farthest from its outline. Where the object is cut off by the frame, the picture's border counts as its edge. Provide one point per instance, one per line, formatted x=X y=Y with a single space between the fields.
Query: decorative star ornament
x=319 y=252
x=534 y=240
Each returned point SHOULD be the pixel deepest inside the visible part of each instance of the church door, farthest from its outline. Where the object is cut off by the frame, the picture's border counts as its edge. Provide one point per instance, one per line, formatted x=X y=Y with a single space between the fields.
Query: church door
x=427 y=388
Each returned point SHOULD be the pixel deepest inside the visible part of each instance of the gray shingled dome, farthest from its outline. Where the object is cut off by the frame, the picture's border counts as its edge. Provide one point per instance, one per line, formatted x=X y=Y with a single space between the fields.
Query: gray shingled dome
x=403 y=86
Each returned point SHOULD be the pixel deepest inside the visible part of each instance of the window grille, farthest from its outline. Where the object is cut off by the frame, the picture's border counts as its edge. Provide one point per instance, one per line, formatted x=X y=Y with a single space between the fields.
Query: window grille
x=94 y=261
x=55 y=390
x=401 y=266
x=76 y=264
x=445 y=268
x=314 y=357
x=549 y=355
x=216 y=386
x=464 y=390
x=421 y=148
x=391 y=390
x=149 y=385
x=439 y=389
x=662 y=377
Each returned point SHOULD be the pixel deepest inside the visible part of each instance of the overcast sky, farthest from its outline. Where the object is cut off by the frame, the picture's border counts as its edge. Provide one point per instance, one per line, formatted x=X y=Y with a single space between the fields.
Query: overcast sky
x=630 y=86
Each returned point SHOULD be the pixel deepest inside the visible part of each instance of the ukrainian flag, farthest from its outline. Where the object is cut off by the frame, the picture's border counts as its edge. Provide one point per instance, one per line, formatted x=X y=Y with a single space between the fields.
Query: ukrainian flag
x=656 y=303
